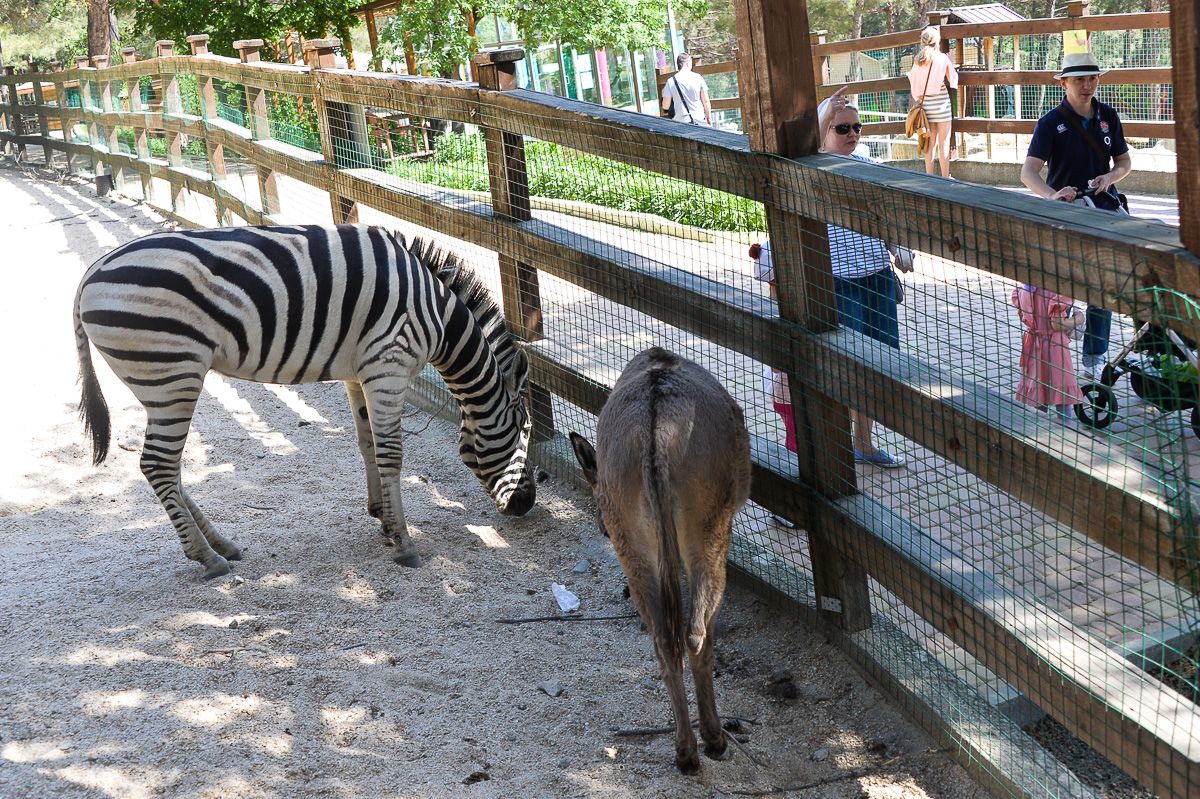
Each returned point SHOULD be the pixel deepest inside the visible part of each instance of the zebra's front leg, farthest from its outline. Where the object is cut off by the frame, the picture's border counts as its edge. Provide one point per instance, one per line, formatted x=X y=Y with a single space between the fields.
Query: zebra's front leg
x=160 y=465
x=385 y=399
x=366 y=447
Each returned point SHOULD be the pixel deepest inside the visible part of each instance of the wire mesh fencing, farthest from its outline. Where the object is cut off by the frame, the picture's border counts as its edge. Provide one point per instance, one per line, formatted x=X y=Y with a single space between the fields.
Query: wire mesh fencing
x=1012 y=525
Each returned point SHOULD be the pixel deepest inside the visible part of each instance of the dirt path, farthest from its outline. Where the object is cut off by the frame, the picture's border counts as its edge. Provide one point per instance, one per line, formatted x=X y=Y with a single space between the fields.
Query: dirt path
x=320 y=668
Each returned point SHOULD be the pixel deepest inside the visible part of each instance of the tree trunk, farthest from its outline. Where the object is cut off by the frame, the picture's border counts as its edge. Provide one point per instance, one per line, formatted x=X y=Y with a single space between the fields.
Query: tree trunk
x=856 y=33
x=97 y=33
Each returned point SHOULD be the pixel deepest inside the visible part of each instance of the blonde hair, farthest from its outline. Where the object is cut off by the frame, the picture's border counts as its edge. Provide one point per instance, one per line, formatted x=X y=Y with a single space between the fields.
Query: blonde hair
x=930 y=37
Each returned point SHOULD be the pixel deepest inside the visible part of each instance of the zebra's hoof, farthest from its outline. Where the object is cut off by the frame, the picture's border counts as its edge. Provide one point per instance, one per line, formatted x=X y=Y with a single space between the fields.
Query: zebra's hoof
x=216 y=566
x=234 y=552
x=410 y=559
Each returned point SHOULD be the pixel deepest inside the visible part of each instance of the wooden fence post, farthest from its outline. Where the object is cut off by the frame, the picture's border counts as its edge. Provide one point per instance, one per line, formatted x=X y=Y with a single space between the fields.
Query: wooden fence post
x=108 y=133
x=208 y=112
x=260 y=130
x=1185 y=69
x=820 y=63
x=509 y=182
x=344 y=140
x=43 y=118
x=171 y=105
x=775 y=76
x=14 y=112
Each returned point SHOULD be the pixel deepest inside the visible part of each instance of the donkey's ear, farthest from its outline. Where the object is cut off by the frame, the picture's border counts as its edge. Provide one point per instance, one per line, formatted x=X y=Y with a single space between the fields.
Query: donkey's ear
x=586 y=455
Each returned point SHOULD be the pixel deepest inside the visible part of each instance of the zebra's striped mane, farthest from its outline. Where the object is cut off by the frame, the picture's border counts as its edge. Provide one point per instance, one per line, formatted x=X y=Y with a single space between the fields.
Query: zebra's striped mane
x=462 y=281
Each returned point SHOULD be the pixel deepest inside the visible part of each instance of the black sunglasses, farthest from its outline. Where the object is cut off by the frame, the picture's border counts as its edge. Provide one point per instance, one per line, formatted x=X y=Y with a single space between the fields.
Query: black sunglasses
x=845 y=128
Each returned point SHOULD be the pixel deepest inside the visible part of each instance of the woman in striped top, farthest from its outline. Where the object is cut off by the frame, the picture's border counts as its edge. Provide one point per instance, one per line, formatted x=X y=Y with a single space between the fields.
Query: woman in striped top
x=931 y=71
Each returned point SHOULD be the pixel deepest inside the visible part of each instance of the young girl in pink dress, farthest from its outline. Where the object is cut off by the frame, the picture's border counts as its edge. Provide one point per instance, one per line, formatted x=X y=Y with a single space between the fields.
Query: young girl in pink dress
x=1047 y=373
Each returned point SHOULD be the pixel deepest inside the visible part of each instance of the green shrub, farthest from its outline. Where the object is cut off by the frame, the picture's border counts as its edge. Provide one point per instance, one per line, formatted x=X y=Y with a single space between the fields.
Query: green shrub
x=556 y=172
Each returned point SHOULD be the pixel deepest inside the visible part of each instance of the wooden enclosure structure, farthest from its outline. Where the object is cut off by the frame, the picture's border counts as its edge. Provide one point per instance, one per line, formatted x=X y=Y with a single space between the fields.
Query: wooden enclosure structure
x=1136 y=721
x=989 y=78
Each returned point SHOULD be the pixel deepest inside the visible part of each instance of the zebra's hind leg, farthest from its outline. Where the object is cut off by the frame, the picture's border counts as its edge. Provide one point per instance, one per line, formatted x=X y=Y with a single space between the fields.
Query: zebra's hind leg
x=166 y=433
x=222 y=545
x=366 y=447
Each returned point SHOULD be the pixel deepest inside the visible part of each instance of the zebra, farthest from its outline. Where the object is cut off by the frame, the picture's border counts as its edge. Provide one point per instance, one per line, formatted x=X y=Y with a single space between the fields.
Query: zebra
x=299 y=304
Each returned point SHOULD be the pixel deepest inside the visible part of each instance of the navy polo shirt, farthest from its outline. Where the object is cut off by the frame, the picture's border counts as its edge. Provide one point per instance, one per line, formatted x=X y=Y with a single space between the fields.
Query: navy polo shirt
x=1070 y=160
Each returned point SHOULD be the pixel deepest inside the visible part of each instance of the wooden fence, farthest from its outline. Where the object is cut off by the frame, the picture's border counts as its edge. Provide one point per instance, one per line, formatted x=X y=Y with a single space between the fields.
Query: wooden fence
x=986 y=80
x=1136 y=721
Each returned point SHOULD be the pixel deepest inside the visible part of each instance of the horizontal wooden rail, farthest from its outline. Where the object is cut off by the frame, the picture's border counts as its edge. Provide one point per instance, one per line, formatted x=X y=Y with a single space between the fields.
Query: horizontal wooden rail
x=1025 y=27
x=1117 y=77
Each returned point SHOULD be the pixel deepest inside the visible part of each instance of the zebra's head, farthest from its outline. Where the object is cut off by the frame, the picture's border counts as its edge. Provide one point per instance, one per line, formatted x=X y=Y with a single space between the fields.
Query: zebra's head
x=493 y=440
x=499 y=456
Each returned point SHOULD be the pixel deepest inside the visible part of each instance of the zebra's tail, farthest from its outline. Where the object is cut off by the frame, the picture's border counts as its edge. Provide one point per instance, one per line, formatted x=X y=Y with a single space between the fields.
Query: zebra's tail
x=93 y=410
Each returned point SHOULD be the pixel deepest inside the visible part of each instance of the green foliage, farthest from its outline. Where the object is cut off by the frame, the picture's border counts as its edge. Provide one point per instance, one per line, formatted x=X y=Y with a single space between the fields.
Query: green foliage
x=227 y=22
x=437 y=29
x=459 y=162
x=294 y=120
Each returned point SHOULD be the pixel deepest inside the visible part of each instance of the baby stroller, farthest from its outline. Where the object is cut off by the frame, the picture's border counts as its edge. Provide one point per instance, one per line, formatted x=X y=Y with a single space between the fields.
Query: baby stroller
x=1162 y=370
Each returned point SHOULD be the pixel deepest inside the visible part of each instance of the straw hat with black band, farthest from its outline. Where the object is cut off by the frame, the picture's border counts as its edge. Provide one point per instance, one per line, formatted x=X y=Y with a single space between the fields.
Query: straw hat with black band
x=1079 y=65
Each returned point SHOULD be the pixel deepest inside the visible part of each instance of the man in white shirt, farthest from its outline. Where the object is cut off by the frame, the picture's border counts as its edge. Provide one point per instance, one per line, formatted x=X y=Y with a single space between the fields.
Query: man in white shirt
x=686 y=95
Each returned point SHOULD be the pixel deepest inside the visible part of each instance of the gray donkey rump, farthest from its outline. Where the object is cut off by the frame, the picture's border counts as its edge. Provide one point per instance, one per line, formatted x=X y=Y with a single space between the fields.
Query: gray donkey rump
x=670 y=469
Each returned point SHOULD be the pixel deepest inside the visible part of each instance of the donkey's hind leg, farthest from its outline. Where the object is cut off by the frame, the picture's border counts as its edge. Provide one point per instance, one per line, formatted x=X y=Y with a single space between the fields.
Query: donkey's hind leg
x=705 y=566
x=166 y=434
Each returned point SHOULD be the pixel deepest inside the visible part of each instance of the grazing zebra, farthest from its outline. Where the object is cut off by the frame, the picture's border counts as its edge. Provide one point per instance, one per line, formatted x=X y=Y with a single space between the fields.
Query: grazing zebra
x=298 y=305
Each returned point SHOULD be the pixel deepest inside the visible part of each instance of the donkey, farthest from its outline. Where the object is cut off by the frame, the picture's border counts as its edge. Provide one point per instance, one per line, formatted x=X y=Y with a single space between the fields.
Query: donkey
x=670 y=469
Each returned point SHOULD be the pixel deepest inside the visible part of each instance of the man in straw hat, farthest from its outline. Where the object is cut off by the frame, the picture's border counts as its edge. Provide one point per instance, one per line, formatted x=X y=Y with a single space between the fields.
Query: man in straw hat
x=1077 y=141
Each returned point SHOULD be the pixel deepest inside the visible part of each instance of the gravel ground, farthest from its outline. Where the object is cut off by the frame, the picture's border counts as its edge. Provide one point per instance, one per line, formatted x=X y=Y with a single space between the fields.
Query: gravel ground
x=319 y=667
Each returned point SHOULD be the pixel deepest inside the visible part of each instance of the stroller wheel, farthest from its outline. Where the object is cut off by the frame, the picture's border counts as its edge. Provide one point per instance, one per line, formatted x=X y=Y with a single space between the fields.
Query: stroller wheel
x=1099 y=406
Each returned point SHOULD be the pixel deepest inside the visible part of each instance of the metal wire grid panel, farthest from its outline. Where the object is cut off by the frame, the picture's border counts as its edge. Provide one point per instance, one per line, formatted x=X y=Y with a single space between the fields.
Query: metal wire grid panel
x=1039 y=546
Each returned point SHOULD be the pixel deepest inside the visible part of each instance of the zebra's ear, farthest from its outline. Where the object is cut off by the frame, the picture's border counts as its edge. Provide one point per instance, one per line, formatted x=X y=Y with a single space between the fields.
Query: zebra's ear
x=517 y=376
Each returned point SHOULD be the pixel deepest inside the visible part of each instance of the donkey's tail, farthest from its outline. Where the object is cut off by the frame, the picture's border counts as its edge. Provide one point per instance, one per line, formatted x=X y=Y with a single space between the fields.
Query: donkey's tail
x=662 y=502
x=93 y=410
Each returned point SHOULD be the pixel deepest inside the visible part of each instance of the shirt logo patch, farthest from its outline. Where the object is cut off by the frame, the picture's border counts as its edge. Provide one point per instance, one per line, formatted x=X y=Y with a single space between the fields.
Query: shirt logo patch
x=1062 y=128
x=1104 y=126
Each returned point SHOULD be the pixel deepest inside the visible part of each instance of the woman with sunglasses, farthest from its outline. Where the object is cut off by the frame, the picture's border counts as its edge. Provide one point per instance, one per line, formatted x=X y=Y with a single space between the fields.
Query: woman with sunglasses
x=863 y=281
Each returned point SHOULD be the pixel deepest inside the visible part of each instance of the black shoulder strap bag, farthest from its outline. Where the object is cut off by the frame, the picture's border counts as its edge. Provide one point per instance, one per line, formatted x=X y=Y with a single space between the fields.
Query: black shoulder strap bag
x=1104 y=157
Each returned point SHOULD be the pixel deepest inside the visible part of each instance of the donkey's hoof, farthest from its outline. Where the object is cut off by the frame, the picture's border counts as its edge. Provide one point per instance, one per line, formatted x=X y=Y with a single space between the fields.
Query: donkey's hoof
x=687 y=762
x=719 y=752
x=216 y=566
x=410 y=559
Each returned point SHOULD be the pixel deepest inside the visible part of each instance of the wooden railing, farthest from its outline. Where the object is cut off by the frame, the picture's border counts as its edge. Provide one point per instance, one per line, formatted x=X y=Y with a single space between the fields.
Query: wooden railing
x=1136 y=721
x=970 y=81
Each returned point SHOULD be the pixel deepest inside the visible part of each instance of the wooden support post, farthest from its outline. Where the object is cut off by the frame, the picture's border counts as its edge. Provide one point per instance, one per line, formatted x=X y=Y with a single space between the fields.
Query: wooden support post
x=373 y=38
x=509 y=181
x=109 y=133
x=1077 y=8
x=778 y=86
x=171 y=106
x=820 y=63
x=260 y=129
x=1185 y=69
x=208 y=110
x=344 y=138
x=14 y=110
x=39 y=104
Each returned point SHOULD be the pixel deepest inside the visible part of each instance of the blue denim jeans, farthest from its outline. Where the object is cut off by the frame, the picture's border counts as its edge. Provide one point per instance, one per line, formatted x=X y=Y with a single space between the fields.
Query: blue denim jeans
x=1095 y=335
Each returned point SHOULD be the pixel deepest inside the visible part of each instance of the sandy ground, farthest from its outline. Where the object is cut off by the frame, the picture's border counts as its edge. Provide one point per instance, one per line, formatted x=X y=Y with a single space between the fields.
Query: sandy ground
x=319 y=667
